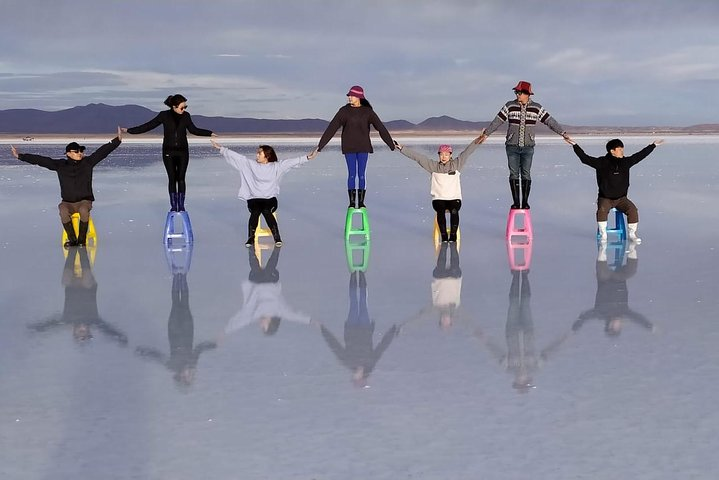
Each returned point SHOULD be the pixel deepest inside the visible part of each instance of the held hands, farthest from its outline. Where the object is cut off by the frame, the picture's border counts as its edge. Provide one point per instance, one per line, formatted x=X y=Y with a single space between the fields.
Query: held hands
x=398 y=145
x=658 y=142
x=568 y=139
x=215 y=144
x=14 y=151
x=119 y=133
x=482 y=137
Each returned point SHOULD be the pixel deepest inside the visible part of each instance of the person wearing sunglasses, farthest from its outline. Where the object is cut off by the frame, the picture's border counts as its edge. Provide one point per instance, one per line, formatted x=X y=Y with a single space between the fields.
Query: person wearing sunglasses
x=75 y=175
x=176 y=122
x=522 y=114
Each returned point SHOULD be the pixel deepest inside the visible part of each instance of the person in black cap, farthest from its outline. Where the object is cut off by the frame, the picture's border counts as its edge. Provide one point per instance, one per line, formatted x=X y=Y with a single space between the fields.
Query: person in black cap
x=75 y=175
x=613 y=183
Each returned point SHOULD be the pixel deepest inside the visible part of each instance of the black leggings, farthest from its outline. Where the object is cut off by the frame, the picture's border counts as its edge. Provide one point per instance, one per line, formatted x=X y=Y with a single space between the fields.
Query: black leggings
x=176 y=162
x=441 y=206
x=264 y=206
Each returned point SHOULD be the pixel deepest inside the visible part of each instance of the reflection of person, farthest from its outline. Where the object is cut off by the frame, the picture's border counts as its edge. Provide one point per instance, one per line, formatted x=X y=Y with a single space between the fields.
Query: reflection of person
x=184 y=356
x=358 y=353
x=446 y=288
x=522 y=114
x=80 y=309
x=176 y=122
x=75 y=175
x=263 y=302
x=356 y=118
x=611 y=302
x=445 y=186
x=521 y=358
x=613 y=182
x=260 y=184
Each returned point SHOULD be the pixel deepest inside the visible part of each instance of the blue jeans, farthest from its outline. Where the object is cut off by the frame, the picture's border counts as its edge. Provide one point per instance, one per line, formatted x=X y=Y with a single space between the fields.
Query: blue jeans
x=519 y=160
x=356 y=167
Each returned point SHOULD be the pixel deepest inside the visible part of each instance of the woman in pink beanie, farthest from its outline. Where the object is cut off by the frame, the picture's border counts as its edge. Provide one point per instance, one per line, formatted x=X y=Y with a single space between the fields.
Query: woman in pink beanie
x=445 y=186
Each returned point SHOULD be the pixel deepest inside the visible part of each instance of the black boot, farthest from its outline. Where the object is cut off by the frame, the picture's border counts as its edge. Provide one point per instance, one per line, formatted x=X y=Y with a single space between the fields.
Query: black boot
x=353 y=196
x=82 y=235
x=526 y=186
x=180 y=202
x=173 y=202
x=71 y=238
x=360 y=198
x=514 y=187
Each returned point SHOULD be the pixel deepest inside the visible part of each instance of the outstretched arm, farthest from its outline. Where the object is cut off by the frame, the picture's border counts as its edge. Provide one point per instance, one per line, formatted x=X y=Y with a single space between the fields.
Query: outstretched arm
x=644 y=152
x=105 y=150
x=423 y=160
x=331 y=129
x=236 y=160
x=383 y=133
x=467 y=152
x=145 y=127
x=200 y=132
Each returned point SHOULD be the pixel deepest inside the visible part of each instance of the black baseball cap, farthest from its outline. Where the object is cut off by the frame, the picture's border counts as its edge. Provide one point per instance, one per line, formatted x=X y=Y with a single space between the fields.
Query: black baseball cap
x=74 y=146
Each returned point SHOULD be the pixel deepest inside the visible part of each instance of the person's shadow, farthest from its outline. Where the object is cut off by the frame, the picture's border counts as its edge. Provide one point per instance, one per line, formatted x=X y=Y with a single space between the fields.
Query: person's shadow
x=520 y=357
x=358 y=354
x=80 y=310
x=184 y=355
x=611 y=302
x=263 y=302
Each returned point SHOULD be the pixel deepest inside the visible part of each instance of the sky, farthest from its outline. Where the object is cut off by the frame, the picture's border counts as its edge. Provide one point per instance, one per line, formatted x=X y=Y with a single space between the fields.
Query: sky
x=617 y=63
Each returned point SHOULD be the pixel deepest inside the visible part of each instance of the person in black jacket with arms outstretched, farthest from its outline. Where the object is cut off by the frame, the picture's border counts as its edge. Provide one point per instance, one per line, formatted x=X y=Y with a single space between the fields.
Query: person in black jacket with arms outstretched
x=75 y=175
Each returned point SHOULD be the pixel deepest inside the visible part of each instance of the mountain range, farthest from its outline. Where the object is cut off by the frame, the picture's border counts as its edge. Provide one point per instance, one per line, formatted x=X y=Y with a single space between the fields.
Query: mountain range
x=100 y=118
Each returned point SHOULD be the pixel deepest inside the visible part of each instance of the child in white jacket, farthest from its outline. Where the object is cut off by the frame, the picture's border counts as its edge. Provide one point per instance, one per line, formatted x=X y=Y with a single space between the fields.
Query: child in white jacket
x=445 y=186
x=260 y=184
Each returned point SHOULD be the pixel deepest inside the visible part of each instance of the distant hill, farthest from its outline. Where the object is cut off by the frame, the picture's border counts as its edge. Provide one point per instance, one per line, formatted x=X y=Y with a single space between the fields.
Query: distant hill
x=101 y=118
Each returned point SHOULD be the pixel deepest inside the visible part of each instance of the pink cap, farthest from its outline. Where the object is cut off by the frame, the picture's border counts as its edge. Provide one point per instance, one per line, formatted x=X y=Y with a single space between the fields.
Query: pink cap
x=356 y=91
x=445 y=148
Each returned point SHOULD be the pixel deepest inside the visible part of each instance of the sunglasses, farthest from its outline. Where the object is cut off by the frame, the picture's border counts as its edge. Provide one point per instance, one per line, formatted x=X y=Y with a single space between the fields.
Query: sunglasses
x=521 y=92
x=75 y=151
x=182 y=109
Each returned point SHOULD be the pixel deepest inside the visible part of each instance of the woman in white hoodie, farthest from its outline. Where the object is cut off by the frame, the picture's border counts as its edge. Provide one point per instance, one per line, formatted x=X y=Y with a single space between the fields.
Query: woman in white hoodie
x=445 y=186
x=260 y=184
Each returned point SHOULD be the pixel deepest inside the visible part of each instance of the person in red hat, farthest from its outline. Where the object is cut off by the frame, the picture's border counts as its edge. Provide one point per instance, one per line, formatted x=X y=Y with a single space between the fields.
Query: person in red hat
x=355 y=118
x=522 y=114
x=75 y=175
